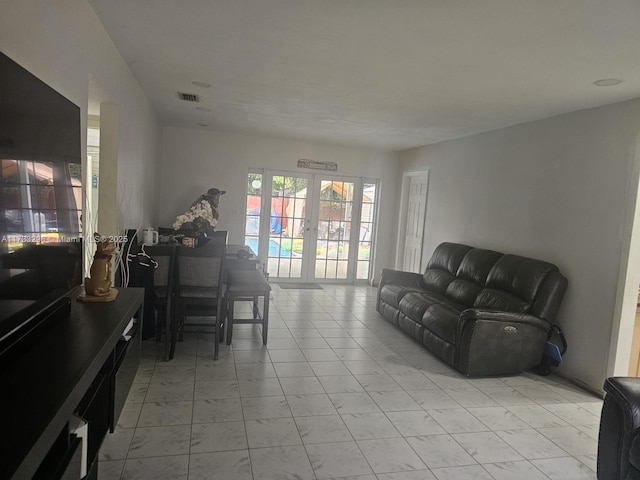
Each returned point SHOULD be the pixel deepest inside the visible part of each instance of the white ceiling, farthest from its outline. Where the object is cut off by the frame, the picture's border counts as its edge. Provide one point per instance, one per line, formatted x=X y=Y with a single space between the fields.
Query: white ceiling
x=389 y=74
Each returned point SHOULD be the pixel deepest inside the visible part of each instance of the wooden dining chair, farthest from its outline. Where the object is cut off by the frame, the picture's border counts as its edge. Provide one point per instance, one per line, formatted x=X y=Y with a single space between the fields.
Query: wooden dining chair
x=200 y=290
x=219 y=237
x=164 y=289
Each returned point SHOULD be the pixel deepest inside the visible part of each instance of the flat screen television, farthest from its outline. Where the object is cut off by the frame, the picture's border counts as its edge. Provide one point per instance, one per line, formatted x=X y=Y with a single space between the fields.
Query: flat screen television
x=40 y=200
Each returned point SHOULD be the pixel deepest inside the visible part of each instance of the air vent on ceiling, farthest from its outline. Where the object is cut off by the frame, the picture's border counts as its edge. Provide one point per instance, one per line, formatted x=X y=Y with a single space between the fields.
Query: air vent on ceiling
x=189 y=97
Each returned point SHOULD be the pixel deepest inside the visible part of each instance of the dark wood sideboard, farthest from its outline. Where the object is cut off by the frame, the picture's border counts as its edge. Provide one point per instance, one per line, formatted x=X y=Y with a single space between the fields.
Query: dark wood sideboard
x=82 y=365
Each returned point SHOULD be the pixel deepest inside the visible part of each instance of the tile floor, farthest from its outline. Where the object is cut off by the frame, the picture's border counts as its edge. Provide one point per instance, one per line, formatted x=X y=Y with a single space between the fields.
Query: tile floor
x=339 y=393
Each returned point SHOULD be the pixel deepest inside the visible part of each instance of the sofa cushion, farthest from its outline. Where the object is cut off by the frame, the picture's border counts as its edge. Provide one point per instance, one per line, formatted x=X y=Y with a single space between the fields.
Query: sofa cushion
x=463 y=291
x=437 y=280
x=442 y=320
x=477 y=264
x=414 y=304
x=494 y=299
x=443 y=265
x=472 y=275
x=435 y=298
x=392 y=294
x=513 y=282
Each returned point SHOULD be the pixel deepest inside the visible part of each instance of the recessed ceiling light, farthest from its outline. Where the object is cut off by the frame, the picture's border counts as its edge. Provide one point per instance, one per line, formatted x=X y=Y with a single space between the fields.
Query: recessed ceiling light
x=203 y=109
x=607 y=82
x=201 y=84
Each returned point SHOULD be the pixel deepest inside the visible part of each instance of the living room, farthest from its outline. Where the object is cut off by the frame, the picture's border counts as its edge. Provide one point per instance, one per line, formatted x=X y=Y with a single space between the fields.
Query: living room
x=566 y=177
x=561 y=188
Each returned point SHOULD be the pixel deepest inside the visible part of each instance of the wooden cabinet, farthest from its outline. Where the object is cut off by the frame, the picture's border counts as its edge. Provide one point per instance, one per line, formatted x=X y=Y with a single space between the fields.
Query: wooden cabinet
x=71 y=370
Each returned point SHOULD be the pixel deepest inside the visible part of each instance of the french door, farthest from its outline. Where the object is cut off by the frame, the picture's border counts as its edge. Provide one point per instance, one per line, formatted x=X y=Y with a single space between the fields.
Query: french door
x=318 y=227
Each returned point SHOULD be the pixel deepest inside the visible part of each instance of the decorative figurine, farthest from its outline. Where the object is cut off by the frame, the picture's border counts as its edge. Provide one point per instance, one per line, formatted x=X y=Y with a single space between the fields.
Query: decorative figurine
x=99 y=284
x=213 y=197
x=202 y=217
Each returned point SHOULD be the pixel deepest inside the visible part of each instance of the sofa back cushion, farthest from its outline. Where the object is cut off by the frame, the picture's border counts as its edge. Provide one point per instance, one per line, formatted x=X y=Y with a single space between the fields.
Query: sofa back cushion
x=472 y=275
x=513 y=283
x=443 y=265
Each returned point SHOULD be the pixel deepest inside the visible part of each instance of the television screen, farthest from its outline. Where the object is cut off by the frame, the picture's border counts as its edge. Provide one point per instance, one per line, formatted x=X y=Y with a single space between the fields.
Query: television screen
x=40 y=191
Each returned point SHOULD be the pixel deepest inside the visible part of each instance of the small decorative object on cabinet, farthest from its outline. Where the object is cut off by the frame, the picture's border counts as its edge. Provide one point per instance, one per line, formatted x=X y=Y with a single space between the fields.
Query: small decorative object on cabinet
x=97 y=288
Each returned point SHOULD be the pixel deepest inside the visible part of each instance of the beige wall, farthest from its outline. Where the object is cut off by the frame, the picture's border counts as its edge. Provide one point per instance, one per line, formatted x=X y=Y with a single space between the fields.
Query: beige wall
x=196 y=160
x=556 y=189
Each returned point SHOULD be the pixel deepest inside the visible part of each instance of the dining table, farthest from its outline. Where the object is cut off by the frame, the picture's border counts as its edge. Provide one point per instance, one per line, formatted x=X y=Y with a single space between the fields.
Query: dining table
x=240 y=257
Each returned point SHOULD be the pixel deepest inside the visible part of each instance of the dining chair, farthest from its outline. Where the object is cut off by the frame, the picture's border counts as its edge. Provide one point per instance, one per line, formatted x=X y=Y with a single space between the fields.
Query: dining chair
x=200 y=290
x=163 y=286
x=219 y=237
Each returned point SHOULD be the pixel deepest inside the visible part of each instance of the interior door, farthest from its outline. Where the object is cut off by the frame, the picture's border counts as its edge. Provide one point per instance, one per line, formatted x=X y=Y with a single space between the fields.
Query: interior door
x=414 y=225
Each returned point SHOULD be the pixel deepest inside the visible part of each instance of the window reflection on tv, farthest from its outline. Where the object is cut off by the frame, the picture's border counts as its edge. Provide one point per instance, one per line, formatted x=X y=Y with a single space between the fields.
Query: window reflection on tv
x=40 y=207
x=40 y=187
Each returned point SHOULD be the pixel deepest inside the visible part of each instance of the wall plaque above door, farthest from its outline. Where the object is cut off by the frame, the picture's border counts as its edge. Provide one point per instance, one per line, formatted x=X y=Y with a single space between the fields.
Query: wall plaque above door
x=315 y=165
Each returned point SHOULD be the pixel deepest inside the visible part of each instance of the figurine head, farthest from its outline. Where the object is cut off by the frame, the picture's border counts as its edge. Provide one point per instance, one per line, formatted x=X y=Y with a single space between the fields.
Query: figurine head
x=104 y=245
x=213 y=195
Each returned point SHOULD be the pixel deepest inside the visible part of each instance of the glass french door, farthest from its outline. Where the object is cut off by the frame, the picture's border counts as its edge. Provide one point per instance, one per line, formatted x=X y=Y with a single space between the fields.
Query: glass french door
x=319 y=227
x=332 y=224
x=285 y=230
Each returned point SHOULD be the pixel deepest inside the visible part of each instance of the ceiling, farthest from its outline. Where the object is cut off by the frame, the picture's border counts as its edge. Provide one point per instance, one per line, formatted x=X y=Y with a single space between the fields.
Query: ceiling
x=390 y=74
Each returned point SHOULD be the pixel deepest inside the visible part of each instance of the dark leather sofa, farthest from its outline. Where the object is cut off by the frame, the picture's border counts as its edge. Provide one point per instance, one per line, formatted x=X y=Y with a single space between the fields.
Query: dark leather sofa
x=482 y=312
x=619 y=439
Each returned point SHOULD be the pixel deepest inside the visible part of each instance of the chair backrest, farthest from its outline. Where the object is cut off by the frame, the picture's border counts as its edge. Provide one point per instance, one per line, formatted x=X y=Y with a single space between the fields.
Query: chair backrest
x=219 y=236
x=200 y=267
x=164 y=255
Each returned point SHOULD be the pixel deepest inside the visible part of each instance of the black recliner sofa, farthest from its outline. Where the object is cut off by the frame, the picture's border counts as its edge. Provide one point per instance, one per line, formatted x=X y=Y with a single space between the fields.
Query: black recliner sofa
x=482 y=312
x=619 y=439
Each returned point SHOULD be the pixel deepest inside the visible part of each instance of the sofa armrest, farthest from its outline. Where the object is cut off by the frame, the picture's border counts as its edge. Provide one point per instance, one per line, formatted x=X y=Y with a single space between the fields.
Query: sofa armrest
x=476 y=314
x=618 y=442
x=399 y=277
x=490 y=342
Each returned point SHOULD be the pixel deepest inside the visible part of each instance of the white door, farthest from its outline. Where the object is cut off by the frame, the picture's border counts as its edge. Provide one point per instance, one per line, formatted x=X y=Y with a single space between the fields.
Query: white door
x=414 y=221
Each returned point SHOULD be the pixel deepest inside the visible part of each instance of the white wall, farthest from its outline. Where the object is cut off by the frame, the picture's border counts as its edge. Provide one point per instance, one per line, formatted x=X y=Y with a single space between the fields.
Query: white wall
x=557 y=190
x=64 y=44
x=195 y=160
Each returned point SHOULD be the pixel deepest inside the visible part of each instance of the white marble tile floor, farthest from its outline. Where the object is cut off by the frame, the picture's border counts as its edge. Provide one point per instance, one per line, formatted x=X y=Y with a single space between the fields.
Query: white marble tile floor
x=340 y=394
